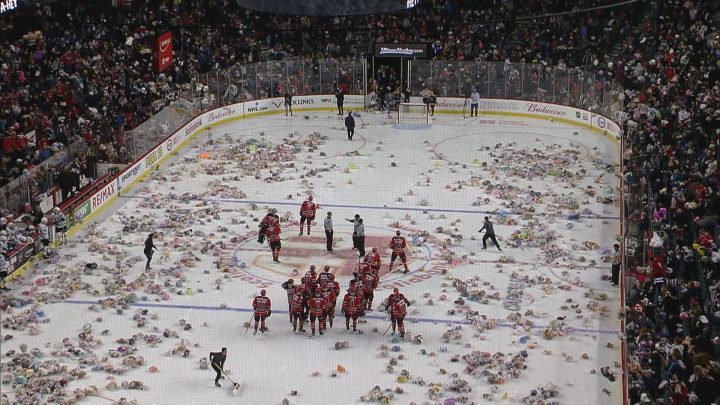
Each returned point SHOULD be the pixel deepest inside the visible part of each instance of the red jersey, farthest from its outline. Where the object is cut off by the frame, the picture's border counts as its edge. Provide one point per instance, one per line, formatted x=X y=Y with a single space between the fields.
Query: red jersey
x=336 y=288
x=297 y=304
x=308 y=209
x=351 y=304
x=369 y=283
x=272 y=228
x=399 y=308
x=329 y=297
x=373 y=258
x=317 y=306
x=397 y=244
x=363 y=269
x=261 y=305
x=396 y=297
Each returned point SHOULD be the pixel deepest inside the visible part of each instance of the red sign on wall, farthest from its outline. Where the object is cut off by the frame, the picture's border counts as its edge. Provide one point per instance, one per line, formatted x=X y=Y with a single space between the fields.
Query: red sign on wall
x=163 y=45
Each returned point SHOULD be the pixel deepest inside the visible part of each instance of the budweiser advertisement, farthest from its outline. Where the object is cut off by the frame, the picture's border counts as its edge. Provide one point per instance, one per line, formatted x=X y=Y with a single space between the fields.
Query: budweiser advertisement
x=164 y=51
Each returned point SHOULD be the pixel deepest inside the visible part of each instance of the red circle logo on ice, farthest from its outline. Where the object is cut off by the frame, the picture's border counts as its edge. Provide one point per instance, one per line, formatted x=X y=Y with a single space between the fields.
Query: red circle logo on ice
x=252 y=262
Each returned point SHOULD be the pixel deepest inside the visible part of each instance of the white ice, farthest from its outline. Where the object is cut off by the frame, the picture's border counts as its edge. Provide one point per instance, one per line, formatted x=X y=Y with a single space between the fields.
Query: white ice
x=431 y=163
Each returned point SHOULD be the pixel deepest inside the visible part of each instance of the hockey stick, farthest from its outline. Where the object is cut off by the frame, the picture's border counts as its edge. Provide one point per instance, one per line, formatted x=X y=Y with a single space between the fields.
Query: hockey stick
x=250 y=323
x=388 y=328
x=236 y=386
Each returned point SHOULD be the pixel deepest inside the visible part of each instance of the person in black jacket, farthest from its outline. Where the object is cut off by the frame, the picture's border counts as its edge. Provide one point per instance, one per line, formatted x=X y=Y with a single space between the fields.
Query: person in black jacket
x=350 y=125
x=149 y=250
x=288 y=103
x=217 y=360
x=340 y=96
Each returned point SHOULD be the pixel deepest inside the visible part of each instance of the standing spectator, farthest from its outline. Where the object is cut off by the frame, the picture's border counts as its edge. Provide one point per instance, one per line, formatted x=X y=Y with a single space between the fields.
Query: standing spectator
x=288 y=103
x=340 y=96
x=616 y=262
x=489 y=234
x=149 y=250
x=350 y=125
x=474 y=101
x=329 y=232
x=406 y=95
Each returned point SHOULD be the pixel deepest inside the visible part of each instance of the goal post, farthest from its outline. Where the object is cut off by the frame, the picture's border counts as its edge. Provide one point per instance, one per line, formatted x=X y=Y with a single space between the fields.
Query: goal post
x=413 y=113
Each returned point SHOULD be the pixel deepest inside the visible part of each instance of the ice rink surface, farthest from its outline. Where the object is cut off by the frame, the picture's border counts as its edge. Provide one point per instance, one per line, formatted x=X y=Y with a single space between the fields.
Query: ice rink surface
x=550 y=189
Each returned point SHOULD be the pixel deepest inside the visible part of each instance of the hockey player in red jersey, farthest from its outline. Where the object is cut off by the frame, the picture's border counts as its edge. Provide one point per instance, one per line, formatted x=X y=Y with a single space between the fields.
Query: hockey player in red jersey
x=335 y=284
x=317 y=311
x=398 y=244
x=289 y=287
x=328 y=293
x=369 y=283
x=325 y=275
x=271 y=225
x=297 y=308
x=363 y=269
x=261 y=306
x=350 y=308
x=397 y=308
x=373 y=259
x=307 y=213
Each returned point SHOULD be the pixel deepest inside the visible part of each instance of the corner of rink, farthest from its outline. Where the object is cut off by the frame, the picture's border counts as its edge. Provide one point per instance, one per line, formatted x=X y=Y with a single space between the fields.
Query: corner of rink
x=535 y=320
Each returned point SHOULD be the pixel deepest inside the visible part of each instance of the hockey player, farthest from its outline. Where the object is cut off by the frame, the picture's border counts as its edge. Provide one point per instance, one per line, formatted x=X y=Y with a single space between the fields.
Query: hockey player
x=60 y=221
x=369 y=284
x=317 y=311
x=262 y=307
x=363 y=269
x=272 y=213
x=396 y=295
x=328 y=294
x=312 y=274
x=307 y=213
x=373 y=259
x=271 y=224
x=398 y=310
x=325 y=275
x=289 y=287
x=350 y=307
x=335 y=285
x=44 y=231
x=297 y=308
x=397 y=244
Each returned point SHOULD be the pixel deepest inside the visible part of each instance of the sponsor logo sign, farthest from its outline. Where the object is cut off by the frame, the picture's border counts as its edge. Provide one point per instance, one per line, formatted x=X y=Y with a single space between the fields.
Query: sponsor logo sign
x=163 y=44
x=81 y=212
x=153 y=157
x=221 y=113
x=401 y=50
x=103 y=195
x=546 y=109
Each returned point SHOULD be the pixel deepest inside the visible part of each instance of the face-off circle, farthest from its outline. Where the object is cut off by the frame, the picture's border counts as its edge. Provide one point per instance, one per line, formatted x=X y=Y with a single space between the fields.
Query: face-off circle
x=252 y=262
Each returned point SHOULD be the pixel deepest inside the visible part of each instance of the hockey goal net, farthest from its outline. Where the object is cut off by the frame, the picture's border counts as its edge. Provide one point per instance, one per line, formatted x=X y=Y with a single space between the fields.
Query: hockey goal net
x=413 y=113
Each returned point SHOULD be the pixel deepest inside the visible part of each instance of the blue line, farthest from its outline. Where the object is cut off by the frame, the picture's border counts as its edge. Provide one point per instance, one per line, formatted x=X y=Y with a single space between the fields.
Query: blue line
x=377 y=207
x=378 y=317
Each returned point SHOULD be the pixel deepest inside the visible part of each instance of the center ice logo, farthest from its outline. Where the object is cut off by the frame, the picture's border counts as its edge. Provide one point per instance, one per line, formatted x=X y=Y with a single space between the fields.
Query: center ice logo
x=251 y=262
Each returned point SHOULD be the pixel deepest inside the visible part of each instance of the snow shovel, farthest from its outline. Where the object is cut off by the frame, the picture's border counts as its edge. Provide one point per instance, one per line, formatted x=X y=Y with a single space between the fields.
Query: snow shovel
x=236 y=386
